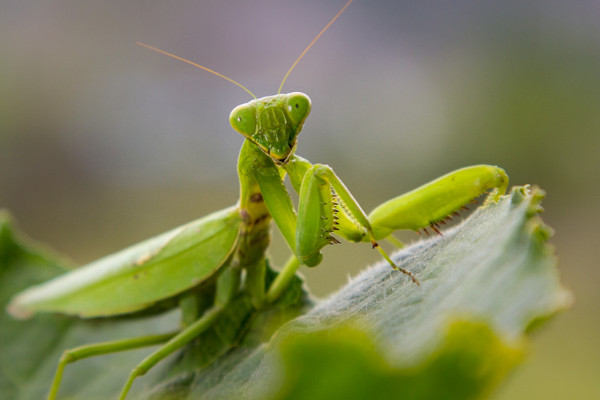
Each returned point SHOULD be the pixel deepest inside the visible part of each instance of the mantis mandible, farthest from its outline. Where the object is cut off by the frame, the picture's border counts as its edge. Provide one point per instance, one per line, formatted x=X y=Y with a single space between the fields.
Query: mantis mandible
x=226 y=243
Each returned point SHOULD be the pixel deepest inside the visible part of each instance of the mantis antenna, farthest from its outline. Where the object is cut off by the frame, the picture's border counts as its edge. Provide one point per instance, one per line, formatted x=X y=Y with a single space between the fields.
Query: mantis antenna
x=196 y=65
x=237 y=83
x=313 y=42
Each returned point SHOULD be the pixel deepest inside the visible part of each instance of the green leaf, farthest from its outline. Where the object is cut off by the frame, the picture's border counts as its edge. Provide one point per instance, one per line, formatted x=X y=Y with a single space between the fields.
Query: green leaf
x=484 y=284
x=23 y=350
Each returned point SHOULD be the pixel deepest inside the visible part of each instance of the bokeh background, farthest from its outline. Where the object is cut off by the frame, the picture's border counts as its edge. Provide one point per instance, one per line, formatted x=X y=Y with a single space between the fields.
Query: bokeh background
x=104 y=143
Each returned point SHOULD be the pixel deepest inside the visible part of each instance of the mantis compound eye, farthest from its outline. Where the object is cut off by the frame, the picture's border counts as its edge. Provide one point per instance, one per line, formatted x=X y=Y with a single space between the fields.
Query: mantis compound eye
x=243 y=119
x=297 y=107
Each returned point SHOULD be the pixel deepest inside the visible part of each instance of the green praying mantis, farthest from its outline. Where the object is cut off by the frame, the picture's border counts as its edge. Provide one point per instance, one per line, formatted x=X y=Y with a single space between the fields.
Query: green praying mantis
x=229 y=246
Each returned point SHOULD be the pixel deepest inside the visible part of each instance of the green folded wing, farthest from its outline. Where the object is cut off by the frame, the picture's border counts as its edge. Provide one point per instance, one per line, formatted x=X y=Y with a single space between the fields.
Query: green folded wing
x=138 y=276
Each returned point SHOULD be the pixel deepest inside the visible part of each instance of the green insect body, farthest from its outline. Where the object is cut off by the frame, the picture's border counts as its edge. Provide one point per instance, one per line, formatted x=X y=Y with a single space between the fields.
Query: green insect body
x=237 y=238
x=222 y=245
x=134 y=278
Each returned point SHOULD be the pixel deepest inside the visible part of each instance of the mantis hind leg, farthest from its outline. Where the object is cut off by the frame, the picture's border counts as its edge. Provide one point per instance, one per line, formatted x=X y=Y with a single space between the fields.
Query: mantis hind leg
x=96 y=349
x=175 y=343
x=227 y=286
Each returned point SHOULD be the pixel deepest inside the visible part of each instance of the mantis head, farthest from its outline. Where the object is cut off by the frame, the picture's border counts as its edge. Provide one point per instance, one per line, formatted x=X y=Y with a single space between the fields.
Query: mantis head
x=272 y=123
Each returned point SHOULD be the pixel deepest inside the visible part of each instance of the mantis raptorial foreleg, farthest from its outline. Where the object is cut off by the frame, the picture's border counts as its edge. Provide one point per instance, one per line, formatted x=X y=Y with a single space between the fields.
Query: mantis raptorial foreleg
x=322 y=195
x=326 y=206
x=431 y=204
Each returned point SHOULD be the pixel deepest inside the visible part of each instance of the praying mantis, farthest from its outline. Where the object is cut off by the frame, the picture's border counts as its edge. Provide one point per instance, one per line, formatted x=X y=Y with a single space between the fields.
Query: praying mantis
x=229 y=246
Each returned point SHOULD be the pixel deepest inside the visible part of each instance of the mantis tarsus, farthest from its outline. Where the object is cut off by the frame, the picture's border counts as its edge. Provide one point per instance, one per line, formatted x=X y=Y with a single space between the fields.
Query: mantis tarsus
x=226 y=243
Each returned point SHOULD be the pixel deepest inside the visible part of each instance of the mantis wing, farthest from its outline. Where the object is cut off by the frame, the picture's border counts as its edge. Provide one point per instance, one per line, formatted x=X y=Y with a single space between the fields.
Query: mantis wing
x=138 y=276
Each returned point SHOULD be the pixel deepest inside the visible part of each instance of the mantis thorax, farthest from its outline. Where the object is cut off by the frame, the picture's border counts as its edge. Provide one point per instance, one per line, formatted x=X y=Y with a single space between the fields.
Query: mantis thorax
x=272 y=123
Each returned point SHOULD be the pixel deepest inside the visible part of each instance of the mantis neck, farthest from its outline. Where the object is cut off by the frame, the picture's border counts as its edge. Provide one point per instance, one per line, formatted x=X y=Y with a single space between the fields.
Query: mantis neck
x=256 y=219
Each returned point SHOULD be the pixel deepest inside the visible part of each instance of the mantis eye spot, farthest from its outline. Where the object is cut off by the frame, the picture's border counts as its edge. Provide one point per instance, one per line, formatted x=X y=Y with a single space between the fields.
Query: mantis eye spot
x=297 y=107
x=243 y=119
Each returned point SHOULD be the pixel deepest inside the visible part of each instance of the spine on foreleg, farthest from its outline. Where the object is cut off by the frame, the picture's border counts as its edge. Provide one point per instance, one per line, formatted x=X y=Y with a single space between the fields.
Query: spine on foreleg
x=315 y=218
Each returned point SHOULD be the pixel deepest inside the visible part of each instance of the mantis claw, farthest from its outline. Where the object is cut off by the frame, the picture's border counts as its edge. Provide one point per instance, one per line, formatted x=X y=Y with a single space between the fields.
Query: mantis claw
x=393 y=264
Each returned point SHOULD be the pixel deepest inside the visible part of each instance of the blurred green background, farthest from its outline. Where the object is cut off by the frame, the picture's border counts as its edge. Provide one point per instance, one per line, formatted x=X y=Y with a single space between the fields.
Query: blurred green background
x=104 y=143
